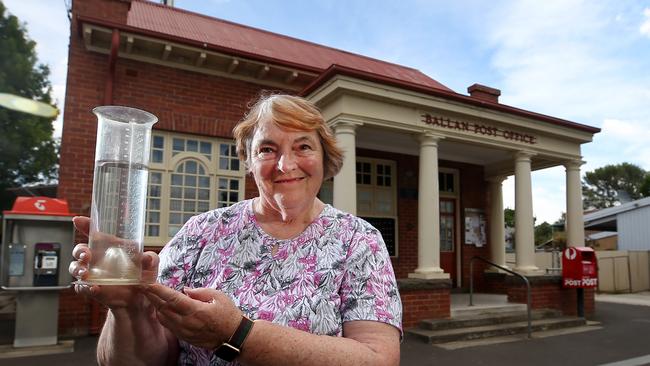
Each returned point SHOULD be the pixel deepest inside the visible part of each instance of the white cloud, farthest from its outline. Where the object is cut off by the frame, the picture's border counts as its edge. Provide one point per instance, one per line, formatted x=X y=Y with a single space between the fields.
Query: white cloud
x=645 y=26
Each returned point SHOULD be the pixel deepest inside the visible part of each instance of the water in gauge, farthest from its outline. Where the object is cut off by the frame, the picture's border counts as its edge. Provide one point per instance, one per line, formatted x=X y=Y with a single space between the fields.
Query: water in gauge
x=117 y=222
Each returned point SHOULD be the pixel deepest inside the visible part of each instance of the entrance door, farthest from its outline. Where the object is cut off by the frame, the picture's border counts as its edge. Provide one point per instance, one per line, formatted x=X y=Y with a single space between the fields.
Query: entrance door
x=448 y=237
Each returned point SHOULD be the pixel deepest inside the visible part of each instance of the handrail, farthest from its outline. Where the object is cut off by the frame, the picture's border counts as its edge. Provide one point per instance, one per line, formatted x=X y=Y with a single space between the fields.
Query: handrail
x=471 y=286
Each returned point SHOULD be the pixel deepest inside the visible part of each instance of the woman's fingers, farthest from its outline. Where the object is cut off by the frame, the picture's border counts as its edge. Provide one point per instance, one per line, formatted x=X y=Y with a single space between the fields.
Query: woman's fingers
x=82 y=224
x=81 y=252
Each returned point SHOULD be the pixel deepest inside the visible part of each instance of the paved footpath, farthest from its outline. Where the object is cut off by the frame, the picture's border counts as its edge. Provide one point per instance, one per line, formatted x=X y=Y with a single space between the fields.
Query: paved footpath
x=623 y=339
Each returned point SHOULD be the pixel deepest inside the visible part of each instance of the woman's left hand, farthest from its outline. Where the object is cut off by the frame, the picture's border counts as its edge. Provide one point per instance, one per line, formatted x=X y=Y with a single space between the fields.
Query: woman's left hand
x=202 y=317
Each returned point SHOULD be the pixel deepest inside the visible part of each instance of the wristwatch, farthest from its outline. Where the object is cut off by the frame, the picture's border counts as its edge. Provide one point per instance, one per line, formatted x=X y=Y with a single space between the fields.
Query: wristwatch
x=229 y=350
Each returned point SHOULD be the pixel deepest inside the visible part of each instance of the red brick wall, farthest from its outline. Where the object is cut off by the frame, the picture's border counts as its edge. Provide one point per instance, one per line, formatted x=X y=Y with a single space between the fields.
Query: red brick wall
x=183 y=101
x=424 y=304
x=552 y=295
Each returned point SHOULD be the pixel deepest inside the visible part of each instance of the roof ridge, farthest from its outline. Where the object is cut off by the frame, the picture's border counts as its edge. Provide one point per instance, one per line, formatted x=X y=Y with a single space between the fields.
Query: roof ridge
x=149 y=2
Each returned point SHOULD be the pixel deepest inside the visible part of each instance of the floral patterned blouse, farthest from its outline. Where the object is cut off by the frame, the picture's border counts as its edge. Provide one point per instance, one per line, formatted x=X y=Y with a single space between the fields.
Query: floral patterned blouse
x=336 y=270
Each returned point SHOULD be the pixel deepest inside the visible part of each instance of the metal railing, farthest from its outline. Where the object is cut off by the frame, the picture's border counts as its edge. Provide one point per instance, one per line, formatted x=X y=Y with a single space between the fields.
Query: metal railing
x=471 y=287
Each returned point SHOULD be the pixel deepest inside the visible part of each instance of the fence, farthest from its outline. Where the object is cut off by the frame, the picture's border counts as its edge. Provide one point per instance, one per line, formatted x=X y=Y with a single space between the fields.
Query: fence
x=618 y=271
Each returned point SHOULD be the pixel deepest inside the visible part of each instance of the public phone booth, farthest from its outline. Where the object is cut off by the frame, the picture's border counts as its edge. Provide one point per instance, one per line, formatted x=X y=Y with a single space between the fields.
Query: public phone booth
x=37 y=242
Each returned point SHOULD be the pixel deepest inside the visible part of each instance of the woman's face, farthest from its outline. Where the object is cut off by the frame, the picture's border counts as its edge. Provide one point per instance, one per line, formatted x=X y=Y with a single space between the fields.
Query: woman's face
x=287 y=166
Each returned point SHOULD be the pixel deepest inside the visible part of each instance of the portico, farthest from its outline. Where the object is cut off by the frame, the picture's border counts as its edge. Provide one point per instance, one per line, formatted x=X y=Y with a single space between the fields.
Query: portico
x=441 y=130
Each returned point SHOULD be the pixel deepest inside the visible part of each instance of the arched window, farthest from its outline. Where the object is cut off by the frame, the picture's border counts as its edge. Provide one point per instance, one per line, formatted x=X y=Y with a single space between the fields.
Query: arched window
x=189 y=193
x=188 y=175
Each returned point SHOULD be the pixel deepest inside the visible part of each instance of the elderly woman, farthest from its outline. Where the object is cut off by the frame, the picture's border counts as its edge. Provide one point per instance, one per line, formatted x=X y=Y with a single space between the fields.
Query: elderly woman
x=280 y=279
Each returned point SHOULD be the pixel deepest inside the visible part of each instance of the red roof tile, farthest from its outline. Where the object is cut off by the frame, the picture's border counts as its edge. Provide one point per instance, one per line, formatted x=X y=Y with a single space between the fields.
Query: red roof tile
x=255 y=42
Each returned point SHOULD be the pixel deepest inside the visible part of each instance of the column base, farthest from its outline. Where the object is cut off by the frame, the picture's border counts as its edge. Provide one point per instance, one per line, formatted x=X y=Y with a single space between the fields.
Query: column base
x=429 y=274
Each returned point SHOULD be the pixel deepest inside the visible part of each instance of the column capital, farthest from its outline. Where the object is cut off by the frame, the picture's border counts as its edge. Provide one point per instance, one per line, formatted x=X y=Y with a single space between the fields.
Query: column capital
x=344 y=125
x=429 y=139
x=523 y=155
x=573 y=164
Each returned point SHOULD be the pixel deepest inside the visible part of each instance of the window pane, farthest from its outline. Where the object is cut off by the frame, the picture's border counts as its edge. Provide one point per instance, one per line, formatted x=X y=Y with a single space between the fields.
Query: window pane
x=187 y=217
x=190 y=167
x=154 y=191
x=366 y=179
x=223 y=183
x=190 y=193
x=154 y=230
x=234 y=184
x=190 y=180
x=158 y=142
x=223 y=149
x=155 y=178
x=204 y=194
x=154 y=217
x=233 y=150
x=380 y=169
x=206 y=148
x=204 y=182
x=189 y=206
x=450 y=182
x=177 y=180
x=172 y=230
x=201 y=170
x=223 y=163
x=154 y=204
x=203 y=207
x=156 y=156
x=233 y=197
x=177 y=192
x=387 y=182
x=192 y=145
x=178 y=144
x=174 y=218
x=223 y=196
x=234 y=164
x=175 y=205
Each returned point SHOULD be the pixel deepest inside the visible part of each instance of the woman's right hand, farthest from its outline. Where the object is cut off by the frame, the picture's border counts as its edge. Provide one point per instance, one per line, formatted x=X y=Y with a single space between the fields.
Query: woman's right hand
x=128 y=297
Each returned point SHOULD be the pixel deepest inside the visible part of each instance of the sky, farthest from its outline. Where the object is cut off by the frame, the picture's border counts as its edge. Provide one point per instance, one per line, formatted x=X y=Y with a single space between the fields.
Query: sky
x=584 y=61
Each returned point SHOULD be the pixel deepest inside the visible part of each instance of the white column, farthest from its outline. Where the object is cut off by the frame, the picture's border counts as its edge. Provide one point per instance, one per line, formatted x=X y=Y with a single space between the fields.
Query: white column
x=575 y=228
x=345 y=183
x=497 y=222
x=428 y=211
x=524 y=224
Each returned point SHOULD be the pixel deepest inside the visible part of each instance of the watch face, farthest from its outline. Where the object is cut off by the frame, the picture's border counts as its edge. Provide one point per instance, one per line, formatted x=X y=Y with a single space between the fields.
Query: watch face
x=226 y=352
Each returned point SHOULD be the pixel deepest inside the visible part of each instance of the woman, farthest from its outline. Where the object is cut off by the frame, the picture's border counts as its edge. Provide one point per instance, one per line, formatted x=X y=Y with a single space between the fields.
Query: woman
x=318 y=282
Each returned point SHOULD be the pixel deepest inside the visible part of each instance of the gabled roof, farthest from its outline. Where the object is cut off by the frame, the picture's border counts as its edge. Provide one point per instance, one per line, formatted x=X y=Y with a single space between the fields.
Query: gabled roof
x=257 y=43
x=606 y=218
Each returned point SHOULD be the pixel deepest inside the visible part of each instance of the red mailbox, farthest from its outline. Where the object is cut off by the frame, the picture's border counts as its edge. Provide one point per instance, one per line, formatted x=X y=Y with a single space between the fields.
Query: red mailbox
x=579 y=268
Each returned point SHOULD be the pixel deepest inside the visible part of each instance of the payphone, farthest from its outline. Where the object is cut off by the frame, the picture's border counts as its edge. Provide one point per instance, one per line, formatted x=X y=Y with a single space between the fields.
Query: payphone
x=37 y=242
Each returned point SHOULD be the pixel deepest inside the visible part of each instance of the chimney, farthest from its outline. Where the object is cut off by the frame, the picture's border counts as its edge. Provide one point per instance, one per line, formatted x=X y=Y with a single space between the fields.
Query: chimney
x=483 y=92
x=169 y=3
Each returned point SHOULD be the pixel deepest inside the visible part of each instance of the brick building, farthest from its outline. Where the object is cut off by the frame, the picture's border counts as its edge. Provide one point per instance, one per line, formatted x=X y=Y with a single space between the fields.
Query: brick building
x=424 y=164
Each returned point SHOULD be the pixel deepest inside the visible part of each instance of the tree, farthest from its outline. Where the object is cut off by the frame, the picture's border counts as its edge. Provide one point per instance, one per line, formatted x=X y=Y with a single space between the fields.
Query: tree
x=543 y=233
x=509 y=217
x=611 y=184
x=28 y=153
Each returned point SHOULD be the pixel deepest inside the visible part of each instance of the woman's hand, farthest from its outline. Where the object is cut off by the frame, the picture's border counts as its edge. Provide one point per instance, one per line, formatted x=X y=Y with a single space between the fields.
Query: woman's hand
x=202 y=317
x=114 y=297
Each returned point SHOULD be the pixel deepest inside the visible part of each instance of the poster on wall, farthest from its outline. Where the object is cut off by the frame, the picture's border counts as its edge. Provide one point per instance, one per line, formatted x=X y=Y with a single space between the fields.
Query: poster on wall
x=475 y=227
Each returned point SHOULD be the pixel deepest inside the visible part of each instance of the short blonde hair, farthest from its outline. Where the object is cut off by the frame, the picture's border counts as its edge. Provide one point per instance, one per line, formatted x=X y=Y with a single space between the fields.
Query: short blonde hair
x=289 y=112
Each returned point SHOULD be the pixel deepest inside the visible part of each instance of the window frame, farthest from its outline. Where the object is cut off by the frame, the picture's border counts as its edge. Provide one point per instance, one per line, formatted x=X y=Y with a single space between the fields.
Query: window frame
x=168 y=167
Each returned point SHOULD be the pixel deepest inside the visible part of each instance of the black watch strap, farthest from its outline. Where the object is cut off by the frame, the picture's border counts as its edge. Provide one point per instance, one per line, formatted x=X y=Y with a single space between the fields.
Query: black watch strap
x=229 y=350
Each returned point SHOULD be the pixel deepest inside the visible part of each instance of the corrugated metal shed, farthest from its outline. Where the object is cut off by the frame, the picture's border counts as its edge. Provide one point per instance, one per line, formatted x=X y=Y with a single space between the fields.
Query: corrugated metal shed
x=212 y=31
x=631 y=220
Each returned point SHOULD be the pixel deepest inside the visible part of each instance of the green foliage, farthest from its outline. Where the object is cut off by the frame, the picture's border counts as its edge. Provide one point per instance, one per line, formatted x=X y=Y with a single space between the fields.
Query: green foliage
x=509 y=217
x=607 y=186
x=28 y=153
x=543 y=233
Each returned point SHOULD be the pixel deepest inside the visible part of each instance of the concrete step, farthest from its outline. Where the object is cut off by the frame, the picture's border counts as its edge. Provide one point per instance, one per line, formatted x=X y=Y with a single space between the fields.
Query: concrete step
x=488 y=318
x=493 y=330
x=479 y=309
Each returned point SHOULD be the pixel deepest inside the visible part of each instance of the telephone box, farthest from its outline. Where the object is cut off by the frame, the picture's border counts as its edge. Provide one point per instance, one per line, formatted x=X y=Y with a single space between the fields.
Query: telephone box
x=579 y=268
x=37 y=242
